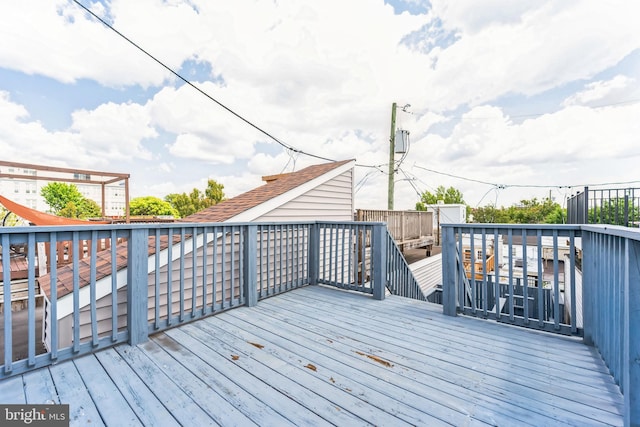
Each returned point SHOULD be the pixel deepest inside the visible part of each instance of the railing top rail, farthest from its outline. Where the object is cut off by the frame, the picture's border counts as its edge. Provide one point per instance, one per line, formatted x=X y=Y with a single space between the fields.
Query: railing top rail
x=563 y=227
x=613 y=230
x=150 y=225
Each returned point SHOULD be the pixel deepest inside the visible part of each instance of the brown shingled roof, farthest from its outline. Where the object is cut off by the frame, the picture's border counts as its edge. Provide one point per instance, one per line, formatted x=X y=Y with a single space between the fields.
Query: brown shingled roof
x=275 y=186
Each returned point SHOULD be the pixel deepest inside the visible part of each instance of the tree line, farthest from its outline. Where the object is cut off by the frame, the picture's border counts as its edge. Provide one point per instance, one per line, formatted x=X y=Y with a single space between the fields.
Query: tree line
x=531 y=211
x=67 y=201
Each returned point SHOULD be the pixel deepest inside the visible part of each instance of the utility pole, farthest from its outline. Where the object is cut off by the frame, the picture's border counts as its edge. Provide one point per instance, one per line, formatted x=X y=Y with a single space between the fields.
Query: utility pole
x=392 y=149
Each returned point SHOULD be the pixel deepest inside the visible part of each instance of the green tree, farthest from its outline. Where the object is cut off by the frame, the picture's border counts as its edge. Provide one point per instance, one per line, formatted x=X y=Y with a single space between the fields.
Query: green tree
x=615 y=212
x=67 y=201
x=449 y=195
x=187 y=204
x=530 y=211
x=151 y=206
x=59 y=194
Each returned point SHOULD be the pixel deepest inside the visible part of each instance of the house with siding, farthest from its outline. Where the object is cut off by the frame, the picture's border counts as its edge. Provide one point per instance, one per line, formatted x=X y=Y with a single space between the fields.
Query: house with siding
x=323 y=191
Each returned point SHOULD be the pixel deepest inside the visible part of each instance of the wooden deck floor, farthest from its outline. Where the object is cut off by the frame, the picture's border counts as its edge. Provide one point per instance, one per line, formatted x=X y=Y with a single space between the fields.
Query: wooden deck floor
x=319 y=356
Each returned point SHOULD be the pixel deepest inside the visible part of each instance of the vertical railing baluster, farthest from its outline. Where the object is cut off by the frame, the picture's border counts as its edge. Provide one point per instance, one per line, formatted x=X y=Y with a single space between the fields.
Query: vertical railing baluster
x=92 y=288
x=170 y=276
x=485 y=292
x=511 y=278
x=556 y=283
x=6 y=284
x=572 y=281
x=379 y=261
x=261 y=262
x=249 y=267
x=313 y=253
x=214 y=269
x=223 y=285
x=76 y=292
x=449 y=269
x=137 y=285
x=181 y=280
x=541 y=312
x=472 y=279
x=53 y=289
x=460 y=275
x=31 y=300
x=194 y=270
x=496 y=263
x=156 y=284
x=232 y=282
x=280 y=239
x=525 y=277
x=114 y=284
x=205 y=264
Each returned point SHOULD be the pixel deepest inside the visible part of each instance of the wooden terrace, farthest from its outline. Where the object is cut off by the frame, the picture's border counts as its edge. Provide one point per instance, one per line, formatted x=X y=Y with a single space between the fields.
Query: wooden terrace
x=320 y=356
x=323 y=323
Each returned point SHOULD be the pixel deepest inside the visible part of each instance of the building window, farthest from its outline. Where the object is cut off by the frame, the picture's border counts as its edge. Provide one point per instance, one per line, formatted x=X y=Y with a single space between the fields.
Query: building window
x=16 y=188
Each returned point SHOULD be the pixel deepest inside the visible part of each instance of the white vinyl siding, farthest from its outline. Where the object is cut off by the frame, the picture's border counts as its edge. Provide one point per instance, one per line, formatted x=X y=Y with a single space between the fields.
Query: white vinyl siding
x=331 y=201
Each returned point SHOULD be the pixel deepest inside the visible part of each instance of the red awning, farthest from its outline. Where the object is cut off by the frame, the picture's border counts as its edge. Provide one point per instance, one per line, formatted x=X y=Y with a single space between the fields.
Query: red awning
x=40 y=218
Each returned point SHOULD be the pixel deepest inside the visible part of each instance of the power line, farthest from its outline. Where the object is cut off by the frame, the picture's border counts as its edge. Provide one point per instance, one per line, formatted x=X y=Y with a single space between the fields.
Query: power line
x=179 y=76
x=504 y=186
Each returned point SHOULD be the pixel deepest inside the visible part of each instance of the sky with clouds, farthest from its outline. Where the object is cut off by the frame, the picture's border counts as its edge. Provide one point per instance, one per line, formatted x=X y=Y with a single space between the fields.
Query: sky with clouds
x=509 y=100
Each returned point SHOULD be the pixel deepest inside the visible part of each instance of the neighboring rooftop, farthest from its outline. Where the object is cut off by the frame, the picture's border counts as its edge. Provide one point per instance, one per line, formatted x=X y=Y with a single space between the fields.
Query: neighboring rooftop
x=276 y=185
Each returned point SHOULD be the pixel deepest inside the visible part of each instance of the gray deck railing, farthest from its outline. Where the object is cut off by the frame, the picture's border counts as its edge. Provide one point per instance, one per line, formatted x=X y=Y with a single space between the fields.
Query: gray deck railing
x=150 y=277
x=364 y=257
x=586 y=282
x=614 y=206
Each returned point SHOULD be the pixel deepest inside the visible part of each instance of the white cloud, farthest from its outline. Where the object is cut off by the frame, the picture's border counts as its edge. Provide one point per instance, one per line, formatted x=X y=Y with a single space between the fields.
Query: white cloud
x=530 y=51
x=321 y=77
x=115 y=131
x=618 y=89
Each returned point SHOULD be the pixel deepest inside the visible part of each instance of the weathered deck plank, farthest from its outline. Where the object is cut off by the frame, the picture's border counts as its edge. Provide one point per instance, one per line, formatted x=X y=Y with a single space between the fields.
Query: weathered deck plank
x=550 y=399
x=318 y=356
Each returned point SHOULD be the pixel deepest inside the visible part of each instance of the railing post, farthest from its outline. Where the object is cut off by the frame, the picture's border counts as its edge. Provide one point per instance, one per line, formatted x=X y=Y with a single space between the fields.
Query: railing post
x=379 y=259
x=449 y=285
x=137 y=285
x=249 y=266
x=588 y=286
x=631 y=354
x=314 y=253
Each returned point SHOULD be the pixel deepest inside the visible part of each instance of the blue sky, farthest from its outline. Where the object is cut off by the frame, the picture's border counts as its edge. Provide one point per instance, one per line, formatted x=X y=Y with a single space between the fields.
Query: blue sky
x=509 y=100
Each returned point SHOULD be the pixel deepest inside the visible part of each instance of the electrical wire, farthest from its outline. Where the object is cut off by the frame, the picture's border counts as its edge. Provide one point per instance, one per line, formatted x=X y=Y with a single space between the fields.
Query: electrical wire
x=202 y=92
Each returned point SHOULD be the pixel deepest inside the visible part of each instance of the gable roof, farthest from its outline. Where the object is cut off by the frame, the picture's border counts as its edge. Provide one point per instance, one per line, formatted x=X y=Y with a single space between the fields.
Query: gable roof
x=276 y=185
